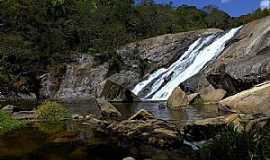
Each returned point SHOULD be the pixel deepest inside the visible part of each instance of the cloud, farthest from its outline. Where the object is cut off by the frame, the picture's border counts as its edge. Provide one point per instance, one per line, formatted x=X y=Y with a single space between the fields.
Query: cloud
x=265 y=4
x=225 y=1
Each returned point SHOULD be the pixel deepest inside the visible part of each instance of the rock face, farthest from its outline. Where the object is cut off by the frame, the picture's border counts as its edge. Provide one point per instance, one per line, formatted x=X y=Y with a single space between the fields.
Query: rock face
x=246 y=60
x=253 y=101
x=80 y=79
x=162 y=50
x=177 y=99
x=212 y=95
x=85 y=76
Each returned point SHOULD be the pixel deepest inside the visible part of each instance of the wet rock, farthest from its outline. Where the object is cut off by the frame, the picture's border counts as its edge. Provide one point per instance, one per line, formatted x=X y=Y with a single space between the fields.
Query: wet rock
x=177 y=99
x=115 y=92
x=142 y=115
x=208 y=128
x=252 y=101
x=212 y=95
x=151 y=131
x=9 y=109
x=108 y=111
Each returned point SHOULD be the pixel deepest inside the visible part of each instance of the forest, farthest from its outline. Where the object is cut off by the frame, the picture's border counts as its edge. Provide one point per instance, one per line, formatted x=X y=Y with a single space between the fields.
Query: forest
x=40 y=35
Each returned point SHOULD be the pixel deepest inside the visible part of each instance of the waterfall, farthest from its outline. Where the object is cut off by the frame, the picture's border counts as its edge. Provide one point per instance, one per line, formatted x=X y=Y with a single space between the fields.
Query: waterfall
x=159 y=85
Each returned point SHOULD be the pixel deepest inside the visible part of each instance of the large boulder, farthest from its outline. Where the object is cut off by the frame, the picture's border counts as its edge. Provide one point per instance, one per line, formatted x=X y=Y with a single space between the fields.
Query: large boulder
x=255 y=100
x=212 y=95
x=177 y=99
x=114 y=92
x=107 y=110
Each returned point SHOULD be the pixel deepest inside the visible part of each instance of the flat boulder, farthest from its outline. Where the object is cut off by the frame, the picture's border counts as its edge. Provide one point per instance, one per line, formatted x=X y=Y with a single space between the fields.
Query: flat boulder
x=212 y=95
x=252 y=101
x=177 y=99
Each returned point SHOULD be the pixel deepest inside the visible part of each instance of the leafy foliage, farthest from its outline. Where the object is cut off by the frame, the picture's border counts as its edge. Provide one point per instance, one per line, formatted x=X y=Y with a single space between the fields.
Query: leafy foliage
x=233 y=145
x=52 y=112
x=8 y=124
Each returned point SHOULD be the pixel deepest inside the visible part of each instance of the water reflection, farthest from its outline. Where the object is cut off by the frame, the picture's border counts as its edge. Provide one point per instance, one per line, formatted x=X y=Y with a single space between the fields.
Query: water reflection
x=183 y=115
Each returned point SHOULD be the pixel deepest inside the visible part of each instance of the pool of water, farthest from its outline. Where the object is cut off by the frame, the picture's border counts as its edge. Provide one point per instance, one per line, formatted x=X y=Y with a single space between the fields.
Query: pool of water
x=182 y=115
x=73 y=141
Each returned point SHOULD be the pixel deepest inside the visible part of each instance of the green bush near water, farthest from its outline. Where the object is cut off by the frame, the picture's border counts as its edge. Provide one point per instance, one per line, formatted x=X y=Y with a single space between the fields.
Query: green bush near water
x=7 y=123
x=52 y=112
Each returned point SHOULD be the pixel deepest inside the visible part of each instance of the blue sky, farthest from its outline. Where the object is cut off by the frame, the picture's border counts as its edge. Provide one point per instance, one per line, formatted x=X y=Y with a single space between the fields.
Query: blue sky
x=233 y=7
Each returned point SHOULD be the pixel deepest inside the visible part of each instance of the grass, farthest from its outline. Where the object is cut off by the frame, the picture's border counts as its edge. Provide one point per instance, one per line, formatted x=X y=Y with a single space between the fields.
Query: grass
x=7 y=123
x=231 y=144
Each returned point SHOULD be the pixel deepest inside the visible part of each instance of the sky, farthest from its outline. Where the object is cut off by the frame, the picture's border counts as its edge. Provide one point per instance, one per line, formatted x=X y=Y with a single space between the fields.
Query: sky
x=233 y=7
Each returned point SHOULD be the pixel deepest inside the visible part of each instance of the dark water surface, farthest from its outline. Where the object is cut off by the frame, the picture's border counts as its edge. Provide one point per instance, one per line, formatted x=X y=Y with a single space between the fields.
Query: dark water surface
x=73 y=141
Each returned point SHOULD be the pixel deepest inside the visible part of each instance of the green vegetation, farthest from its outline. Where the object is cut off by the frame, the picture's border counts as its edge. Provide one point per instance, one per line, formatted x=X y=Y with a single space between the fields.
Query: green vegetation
x=52 y=112
x=38 y=35
x=8 y=124
x=234 y=145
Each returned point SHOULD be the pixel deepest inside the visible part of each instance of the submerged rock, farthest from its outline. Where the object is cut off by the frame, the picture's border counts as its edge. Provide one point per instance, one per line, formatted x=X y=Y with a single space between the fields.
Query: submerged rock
x=253 y=101
x=177 y=99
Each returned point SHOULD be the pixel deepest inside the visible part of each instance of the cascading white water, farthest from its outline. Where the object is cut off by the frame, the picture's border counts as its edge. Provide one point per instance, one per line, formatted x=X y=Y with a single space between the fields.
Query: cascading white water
x=161 y=83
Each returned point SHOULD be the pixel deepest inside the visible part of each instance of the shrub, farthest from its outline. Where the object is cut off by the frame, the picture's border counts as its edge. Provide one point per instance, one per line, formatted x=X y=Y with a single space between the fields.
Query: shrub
x=52 y=112
x=7 y=123
x=233 y=145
